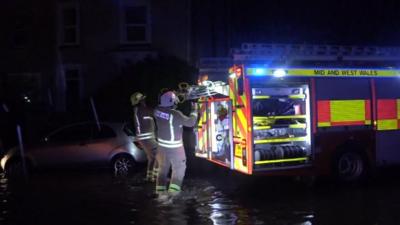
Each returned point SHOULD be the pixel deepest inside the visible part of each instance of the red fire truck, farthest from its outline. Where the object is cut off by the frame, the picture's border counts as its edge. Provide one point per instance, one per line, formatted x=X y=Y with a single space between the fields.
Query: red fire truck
x=302 y=121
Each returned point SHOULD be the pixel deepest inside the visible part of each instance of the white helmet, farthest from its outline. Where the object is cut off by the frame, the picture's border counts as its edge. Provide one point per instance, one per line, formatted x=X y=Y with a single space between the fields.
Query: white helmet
x=168 y=99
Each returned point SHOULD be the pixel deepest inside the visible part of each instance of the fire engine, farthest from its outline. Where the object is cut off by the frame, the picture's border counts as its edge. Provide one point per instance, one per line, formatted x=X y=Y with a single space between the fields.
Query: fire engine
x=272 y=119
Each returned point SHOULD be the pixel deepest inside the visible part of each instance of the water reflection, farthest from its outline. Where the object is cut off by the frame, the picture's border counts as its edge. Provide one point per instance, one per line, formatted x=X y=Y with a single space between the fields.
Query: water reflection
x=3 y=199
x=100 y=199
x=223 y=212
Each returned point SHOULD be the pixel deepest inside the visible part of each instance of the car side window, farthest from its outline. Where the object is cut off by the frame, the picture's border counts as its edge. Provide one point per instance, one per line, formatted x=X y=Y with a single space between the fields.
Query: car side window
x=71 y=134
x=103 y=133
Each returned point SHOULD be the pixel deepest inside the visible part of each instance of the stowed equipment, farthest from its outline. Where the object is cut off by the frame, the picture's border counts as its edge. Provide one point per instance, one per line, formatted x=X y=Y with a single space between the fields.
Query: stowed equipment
x=204 y=89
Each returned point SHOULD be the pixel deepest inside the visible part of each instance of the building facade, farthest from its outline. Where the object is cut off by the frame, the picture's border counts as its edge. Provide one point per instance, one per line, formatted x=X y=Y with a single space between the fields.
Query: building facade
x=58 y=52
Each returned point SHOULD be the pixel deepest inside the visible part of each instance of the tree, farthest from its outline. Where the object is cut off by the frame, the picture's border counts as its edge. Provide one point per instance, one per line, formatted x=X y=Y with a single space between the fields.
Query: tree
x=149 y=77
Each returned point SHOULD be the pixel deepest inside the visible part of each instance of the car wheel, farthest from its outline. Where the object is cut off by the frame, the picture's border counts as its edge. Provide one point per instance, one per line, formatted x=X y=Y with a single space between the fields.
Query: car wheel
x=350 y=166
x=123 y=165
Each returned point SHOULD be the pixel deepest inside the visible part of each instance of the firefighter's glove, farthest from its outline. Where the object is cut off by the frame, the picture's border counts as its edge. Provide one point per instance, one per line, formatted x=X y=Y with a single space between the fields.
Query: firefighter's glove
x=194 y=107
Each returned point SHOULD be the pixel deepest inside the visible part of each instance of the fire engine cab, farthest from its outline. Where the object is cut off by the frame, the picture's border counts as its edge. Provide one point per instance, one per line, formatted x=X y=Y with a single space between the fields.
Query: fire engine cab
x=315 y=120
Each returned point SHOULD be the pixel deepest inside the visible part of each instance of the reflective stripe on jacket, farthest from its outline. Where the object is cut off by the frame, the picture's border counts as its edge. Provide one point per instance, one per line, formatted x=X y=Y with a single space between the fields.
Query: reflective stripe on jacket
x=170 y=124
x=143 y=122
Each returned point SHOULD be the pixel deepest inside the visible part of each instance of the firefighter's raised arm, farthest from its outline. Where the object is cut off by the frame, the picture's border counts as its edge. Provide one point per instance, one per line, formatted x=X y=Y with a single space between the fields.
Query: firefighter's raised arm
x=189 y=121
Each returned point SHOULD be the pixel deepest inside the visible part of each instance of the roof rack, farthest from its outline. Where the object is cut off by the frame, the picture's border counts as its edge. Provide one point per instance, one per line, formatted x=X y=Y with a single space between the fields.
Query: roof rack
x=304 y=52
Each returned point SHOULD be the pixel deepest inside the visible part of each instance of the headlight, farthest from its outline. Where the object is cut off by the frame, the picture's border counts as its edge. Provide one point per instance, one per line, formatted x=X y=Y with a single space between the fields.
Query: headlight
x=3 y=161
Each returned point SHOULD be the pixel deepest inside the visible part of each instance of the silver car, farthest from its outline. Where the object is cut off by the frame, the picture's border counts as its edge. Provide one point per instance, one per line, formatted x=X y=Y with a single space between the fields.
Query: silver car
x=81 y=144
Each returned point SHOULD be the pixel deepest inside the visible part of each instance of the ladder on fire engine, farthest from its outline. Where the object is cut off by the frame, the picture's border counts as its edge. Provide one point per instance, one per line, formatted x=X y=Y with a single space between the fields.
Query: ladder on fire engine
x=301 y=55
x=260 y=51
x=204 y=89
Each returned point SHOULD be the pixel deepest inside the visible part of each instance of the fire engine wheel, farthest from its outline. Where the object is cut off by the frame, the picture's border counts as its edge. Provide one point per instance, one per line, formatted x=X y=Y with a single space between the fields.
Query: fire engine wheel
x=122 y=165
x=350 y=166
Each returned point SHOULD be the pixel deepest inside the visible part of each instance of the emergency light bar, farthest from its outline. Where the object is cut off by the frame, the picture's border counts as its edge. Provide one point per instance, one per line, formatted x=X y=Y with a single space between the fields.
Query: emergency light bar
x=321 y=72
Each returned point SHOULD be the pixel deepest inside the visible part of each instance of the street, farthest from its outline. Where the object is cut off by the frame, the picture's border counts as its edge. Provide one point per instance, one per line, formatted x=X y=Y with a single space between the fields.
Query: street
x=216 y=196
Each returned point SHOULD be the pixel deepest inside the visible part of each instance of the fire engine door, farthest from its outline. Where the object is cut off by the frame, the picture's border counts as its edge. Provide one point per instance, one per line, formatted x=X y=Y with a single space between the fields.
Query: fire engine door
x=220 y=131
x=202 y=136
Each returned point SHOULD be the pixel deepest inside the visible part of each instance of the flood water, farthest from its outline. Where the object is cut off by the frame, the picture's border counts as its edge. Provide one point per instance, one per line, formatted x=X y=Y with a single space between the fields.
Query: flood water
x=212 y=196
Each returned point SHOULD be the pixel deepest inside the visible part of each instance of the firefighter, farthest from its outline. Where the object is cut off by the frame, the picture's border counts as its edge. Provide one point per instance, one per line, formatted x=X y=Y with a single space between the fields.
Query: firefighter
x=171 y=153
x=144 y=126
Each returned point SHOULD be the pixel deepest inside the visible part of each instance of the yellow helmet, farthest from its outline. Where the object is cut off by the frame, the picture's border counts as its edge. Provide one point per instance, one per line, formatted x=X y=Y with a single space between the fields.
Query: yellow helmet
x=136 y=98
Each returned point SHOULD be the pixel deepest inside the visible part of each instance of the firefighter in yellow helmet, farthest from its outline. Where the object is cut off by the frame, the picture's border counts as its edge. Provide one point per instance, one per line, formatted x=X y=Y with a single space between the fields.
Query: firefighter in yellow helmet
x=144 y=126
x=170 y=152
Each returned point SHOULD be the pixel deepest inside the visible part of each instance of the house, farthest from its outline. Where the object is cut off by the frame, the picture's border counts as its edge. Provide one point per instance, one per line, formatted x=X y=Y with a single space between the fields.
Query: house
x=57 y=52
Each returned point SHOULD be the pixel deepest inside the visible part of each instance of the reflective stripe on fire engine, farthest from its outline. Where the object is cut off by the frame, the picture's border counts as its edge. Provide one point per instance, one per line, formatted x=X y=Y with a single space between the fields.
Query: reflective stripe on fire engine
x=326 y=72
x=280 y=140
x=388 y=114
x=300 y=125
x=261 y=97
x=202 y=129
x=260 y=118
x=169 y=144
x=344 y=112
x=239 y=123
x=300 y=96
x=280 y=160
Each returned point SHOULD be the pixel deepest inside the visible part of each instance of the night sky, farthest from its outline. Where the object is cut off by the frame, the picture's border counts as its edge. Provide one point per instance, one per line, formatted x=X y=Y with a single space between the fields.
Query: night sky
x=343 y=22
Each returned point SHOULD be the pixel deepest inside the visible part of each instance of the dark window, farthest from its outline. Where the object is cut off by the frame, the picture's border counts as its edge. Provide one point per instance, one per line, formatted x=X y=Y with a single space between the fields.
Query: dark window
x=70 y=17
x=103 y=133
x=136 y=15
x=21 y=29
x=134 y=33
x=136 y=24
x=69 y=24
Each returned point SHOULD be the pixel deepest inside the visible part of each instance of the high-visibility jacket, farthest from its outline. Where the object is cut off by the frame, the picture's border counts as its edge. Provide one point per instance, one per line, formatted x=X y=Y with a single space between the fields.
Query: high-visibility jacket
x=144 y=122
x=170 y=124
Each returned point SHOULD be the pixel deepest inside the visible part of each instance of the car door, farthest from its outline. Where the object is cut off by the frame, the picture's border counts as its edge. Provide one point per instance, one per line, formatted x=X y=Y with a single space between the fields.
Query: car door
x=97 y=149
x=63 y=146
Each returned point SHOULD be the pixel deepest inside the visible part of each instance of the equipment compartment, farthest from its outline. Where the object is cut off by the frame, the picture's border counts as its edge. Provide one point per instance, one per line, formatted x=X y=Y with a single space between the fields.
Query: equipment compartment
x=281 y=126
